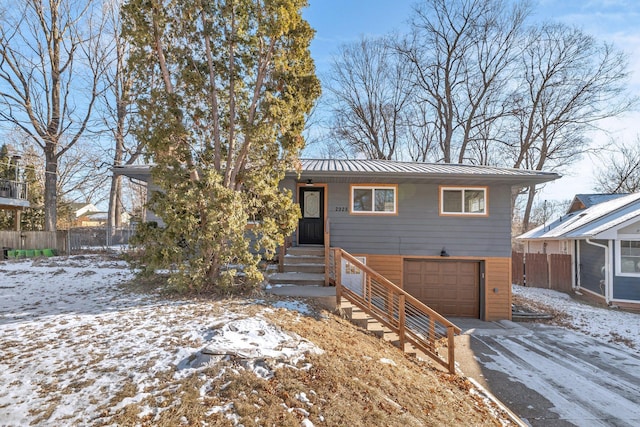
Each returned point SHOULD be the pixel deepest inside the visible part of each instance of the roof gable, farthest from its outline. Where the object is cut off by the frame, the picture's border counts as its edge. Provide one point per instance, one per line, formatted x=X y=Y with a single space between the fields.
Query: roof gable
x=584 y=201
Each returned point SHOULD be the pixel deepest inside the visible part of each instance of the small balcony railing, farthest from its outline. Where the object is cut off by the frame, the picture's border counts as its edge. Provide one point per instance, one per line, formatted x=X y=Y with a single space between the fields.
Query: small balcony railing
x=10 y=189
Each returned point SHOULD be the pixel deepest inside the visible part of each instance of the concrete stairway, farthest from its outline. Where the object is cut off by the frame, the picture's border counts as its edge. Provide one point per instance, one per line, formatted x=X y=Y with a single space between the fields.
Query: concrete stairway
x=361 y=319
x=303 y=266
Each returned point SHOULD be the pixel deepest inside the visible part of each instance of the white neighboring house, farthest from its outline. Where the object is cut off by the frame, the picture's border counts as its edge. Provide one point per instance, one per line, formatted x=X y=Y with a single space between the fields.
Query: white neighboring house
x=88 y=215
x=601 y=232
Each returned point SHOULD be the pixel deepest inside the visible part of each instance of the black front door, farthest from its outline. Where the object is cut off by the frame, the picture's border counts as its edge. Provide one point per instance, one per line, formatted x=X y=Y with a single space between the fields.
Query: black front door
x=311 y=225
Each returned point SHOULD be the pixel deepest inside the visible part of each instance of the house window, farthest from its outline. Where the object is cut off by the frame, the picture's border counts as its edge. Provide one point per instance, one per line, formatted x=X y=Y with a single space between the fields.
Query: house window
x=351 y=269
x=463 y=201
x=373 y=199
x=629 y=257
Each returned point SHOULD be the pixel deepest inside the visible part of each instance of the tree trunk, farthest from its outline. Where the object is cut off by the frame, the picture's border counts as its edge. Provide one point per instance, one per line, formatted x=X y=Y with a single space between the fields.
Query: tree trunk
x=114 y=220
x=531 y=194
x=50 y=188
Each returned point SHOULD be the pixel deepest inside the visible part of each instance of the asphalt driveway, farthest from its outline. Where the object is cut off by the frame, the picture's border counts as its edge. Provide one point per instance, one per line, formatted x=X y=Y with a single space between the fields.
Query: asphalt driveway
x=551 y=376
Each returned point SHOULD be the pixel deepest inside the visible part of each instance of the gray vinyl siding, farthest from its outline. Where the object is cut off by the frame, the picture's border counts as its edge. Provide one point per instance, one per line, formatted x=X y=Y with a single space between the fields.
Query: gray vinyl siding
x=418 y=229
x=149 y=215
x=591 y=263
x=625 y=287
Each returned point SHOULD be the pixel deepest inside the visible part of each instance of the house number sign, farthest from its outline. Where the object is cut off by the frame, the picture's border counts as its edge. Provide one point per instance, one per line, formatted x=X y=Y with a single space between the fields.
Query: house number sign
x=341 y=209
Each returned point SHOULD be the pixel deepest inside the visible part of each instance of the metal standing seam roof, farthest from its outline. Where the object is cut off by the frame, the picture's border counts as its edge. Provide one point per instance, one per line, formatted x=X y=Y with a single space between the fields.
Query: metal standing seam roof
x=391 y=167
x=589 y=222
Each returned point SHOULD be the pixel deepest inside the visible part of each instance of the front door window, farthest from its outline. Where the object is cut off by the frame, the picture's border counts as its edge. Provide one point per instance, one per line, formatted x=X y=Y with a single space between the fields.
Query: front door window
x=311 y=225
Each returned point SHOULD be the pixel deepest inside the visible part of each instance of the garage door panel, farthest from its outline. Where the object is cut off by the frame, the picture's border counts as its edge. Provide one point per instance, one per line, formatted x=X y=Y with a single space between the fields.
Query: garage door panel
x=451 y=308
x=452 y=288
x=447 y=280
x=430 y=294
x=429 y=267
x=449 y=267
x=449 y=294
x=469 y=268
x=412 y=267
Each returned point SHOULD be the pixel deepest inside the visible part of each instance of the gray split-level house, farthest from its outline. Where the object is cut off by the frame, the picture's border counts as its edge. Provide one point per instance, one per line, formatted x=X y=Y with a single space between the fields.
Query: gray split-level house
x=440 y=231
x=601 y=232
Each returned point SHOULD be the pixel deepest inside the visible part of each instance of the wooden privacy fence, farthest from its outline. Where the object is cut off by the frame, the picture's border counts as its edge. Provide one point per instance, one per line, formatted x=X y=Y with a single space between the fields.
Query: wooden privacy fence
x=410 y=319
x=68 y=242
x=550 y=271
x=34 y=240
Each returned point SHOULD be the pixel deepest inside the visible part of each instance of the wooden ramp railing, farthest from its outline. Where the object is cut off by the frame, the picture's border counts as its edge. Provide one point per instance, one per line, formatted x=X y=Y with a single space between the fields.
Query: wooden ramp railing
x=413 y=322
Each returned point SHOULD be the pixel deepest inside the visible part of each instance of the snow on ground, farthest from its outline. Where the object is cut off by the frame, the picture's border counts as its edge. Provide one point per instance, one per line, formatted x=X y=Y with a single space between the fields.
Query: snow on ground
x=70 y=337
x=615 y=326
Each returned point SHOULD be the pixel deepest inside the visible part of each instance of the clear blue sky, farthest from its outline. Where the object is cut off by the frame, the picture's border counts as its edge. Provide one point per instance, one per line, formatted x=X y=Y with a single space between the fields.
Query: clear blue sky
x=616 y=21
x=338 y=22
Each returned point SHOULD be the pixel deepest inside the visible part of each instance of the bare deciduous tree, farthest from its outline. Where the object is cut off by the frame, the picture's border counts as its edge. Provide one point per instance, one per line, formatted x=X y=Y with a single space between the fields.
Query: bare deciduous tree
x=620 y=169
x=370 y=93
x=461 y=54
x=568 y=83
x=49 y=78
x=117 y=104
x=82 y=175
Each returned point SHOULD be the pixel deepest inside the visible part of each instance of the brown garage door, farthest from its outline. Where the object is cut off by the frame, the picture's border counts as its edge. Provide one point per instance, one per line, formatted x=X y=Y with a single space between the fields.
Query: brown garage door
x=452 y=288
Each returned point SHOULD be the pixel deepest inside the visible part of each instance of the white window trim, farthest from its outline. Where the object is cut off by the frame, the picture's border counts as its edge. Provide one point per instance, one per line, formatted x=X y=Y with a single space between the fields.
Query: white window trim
x=462 y=190
x=373 y=188
x=619 y=239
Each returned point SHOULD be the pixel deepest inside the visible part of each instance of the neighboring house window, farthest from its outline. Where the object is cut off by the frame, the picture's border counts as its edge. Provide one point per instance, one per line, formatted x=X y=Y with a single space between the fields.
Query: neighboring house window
x=629 y=257
x=463 y=201
x=374 y=199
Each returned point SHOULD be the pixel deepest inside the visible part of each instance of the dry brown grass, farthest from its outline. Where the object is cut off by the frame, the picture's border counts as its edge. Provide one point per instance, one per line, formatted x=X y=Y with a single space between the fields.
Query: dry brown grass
x=558 y=317
x=359 y=380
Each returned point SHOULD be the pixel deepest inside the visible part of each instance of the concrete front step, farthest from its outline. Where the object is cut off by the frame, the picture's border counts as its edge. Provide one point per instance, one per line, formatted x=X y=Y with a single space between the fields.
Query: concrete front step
x=304 y=268
x=290 y=259
x=324 y=296
x=295 y=278
x=306 y=251
x=302 y=291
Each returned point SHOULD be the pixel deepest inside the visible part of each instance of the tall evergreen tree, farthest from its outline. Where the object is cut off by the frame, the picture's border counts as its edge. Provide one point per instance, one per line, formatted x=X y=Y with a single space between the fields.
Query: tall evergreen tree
x=222 y=90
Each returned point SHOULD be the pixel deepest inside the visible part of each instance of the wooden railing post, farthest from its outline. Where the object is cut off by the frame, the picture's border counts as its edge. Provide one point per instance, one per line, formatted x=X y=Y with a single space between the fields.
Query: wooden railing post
x=401 y=320
x=281 y=254
x=451 y=347
x=337 y=268
x=368 y=290
x=432 y=333
x=327 y=246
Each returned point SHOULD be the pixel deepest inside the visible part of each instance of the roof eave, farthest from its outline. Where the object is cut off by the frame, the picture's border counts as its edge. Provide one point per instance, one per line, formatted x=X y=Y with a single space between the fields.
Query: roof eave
x=513 y=180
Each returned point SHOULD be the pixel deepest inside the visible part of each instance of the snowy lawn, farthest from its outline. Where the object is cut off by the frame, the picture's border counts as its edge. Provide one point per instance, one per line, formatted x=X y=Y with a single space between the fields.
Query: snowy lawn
x=607 y=324
x=75 y=349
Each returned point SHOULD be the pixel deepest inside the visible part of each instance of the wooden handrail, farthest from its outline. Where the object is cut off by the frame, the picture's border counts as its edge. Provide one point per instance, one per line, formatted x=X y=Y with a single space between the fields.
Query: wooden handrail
x=282 y=253
x=397 y=310
x=327 y=248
